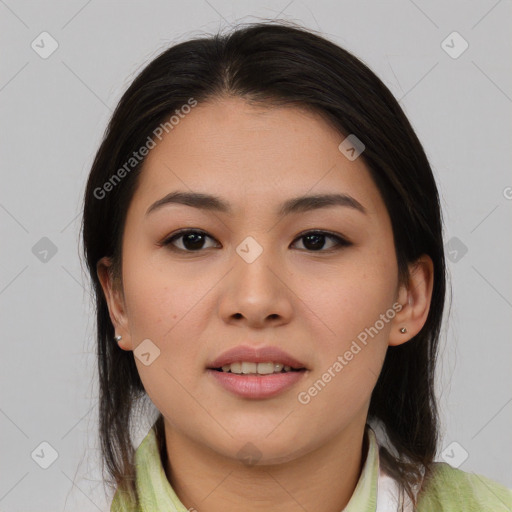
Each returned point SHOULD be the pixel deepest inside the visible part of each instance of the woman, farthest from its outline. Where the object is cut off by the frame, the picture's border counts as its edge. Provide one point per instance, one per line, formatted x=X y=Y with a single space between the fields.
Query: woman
x=264 y=235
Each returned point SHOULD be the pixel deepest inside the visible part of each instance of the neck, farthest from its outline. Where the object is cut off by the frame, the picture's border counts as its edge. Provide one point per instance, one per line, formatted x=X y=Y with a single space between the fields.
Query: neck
x=322 y=480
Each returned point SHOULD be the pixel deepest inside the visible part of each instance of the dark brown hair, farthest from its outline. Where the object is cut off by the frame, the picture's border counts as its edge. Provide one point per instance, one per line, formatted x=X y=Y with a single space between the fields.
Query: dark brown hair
x=276 y=63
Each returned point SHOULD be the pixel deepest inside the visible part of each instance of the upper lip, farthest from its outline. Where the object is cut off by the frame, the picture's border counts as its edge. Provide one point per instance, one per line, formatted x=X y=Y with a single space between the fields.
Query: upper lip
x=249 y=354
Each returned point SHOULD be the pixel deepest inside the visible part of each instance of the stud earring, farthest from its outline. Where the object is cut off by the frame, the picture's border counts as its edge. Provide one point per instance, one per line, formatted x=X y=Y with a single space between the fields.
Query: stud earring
x=403 y=330
x=118 y=338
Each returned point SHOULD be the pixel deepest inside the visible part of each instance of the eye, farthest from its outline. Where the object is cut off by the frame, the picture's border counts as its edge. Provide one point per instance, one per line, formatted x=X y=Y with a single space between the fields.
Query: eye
x=315 y=240
x=193 y=240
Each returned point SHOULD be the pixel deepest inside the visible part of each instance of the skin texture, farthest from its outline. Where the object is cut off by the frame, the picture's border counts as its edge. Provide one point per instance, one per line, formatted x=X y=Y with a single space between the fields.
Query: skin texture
x=311 y=303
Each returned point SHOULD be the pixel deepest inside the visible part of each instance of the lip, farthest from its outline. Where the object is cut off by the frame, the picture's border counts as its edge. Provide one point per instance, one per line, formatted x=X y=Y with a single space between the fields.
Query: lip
x=256 y=387
x=249 y=354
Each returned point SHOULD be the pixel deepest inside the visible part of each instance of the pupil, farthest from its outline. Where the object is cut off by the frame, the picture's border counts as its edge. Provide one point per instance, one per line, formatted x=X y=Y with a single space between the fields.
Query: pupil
x=316 y=244
x=193 y=241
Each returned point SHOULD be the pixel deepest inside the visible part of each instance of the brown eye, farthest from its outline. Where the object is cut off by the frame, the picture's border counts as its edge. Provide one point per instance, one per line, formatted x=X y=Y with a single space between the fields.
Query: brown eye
x=192 y=240
x=315 y=241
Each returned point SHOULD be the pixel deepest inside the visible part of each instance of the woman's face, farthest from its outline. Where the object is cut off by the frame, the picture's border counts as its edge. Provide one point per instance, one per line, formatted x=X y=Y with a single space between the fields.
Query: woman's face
x=254 y=279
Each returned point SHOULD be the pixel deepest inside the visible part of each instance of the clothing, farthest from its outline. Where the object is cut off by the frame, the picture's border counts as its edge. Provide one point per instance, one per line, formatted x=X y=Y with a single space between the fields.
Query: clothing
x=450 y=490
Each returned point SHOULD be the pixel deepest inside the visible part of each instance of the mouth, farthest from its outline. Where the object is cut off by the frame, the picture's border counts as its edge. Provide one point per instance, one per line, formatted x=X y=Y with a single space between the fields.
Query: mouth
x=256 y=373
x=251 y=368
x=246 y=360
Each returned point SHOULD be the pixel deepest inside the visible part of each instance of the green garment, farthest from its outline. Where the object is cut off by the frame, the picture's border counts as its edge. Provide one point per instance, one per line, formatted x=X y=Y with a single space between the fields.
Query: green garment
x=450 y=490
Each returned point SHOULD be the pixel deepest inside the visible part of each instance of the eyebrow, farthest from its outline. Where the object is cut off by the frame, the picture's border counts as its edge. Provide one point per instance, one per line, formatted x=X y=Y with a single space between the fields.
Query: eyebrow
x=295 y=205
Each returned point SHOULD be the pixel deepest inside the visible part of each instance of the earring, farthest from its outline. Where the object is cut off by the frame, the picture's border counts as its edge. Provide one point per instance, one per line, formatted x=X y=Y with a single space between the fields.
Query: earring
x=117 y=338
x=403 y=330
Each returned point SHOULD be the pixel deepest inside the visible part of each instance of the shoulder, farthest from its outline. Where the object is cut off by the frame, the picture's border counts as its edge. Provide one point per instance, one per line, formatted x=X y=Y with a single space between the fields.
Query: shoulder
x=450 y=489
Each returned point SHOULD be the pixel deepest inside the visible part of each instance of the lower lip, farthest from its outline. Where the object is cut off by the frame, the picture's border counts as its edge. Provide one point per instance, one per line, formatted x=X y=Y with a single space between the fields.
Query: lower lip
x=257 y=386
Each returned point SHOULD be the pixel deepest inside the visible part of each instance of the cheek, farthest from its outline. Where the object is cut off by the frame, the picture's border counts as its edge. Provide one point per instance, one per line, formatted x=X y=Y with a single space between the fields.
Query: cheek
x=160 y=304
x=164 y=308
x=354 y=304
x=351 y=352
x=348 y=297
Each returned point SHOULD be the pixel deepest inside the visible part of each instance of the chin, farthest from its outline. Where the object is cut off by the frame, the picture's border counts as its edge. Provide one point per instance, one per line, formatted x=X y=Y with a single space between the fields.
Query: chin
x=260 y=450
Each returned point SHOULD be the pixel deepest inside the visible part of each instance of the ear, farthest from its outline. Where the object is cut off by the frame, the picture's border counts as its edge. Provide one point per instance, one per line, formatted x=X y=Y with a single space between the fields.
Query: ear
x=414 y=297
x=115 y=301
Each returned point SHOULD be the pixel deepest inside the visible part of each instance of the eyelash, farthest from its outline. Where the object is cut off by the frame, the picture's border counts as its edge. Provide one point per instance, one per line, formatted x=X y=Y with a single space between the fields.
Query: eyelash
x=340 y=241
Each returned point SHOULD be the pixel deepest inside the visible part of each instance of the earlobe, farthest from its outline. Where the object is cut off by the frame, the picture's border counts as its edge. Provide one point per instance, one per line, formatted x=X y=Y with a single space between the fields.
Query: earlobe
x=115 y=302
x=415 y=297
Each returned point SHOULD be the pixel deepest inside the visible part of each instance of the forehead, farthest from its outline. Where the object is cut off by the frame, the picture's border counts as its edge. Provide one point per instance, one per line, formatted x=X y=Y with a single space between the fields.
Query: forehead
x=241 y=152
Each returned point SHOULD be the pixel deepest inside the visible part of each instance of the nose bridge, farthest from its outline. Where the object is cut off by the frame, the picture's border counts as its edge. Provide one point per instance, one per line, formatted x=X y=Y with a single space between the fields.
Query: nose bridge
x=255 y=290
x=253 y=263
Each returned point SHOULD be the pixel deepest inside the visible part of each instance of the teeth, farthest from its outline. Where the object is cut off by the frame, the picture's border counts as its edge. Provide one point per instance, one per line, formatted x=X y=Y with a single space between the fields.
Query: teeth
x=265 y=368
x=249 y=367
x=259 y=368
x=236 y=368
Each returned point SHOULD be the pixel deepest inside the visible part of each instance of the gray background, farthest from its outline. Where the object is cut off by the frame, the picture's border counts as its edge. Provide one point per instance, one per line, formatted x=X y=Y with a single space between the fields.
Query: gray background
x=53 y=113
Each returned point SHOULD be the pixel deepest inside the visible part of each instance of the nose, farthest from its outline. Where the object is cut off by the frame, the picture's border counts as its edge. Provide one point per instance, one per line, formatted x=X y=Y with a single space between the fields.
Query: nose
x=256 y=293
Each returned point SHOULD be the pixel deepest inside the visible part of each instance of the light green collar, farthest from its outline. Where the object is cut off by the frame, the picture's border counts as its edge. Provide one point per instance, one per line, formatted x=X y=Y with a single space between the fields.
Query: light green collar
x=156 y=493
